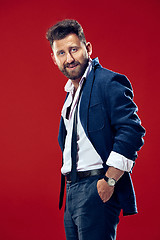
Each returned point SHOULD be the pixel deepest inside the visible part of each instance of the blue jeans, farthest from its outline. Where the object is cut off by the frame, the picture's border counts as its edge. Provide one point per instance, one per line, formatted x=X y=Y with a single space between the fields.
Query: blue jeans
x=86 y=217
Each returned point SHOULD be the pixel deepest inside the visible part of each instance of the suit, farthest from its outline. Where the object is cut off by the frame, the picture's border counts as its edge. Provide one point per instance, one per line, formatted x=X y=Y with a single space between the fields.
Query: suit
x=109 y=119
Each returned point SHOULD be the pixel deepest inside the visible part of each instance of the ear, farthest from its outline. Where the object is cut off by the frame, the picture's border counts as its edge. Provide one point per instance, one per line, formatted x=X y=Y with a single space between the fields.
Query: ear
x=53 y=58
x=89 y=48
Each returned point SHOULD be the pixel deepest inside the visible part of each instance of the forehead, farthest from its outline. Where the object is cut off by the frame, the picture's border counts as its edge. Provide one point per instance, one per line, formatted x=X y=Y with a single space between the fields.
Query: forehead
x=69 y=41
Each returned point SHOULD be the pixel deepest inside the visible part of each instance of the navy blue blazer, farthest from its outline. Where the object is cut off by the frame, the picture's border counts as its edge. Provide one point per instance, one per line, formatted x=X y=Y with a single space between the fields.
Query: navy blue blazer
x=108 y=116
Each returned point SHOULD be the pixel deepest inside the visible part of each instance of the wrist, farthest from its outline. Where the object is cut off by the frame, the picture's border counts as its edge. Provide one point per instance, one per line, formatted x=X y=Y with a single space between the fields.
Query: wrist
x=114 y=173
x=111 y=181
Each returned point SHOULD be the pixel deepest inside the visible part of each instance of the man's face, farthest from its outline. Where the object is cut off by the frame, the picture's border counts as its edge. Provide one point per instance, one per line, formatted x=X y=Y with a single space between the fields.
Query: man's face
x=71 y=56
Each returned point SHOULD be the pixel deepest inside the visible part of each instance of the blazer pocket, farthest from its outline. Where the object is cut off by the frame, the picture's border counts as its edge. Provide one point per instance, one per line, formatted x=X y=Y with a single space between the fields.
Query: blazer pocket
x=95 y=118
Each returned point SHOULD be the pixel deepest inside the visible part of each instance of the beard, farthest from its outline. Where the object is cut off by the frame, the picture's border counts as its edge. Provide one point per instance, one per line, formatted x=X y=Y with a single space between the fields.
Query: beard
x=77 y=71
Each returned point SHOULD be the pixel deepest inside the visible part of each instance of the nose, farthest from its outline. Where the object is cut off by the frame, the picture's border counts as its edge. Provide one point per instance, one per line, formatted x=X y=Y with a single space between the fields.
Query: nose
x=70 y=58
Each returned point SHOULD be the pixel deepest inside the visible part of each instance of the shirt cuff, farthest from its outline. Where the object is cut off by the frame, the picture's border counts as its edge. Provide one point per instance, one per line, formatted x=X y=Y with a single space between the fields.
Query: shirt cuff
x=119 y=161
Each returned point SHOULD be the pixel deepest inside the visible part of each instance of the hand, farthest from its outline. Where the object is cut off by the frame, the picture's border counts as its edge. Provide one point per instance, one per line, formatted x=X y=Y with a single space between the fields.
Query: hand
x=104 y=190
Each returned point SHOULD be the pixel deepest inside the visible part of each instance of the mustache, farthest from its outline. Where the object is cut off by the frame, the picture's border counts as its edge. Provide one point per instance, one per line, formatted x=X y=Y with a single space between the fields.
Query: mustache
x=73 y=64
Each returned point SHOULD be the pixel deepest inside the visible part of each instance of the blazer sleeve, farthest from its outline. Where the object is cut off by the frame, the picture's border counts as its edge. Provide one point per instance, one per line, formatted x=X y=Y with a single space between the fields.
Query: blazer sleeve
x=125 y=123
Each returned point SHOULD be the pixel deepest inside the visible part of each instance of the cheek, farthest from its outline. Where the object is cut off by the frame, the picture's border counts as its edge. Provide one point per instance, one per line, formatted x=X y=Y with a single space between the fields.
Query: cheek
x=82 y=57
x=85 y=54
x=59 y=62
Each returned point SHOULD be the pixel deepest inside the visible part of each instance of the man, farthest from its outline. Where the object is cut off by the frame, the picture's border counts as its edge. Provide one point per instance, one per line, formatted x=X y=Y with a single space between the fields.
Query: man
x=100 y=134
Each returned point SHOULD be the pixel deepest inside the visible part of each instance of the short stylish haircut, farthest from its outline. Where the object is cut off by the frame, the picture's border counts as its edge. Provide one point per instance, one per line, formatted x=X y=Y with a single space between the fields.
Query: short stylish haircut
x=63 y=28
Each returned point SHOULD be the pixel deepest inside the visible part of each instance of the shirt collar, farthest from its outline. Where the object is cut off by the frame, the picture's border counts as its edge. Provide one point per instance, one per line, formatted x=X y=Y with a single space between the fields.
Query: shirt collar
x=69 y=87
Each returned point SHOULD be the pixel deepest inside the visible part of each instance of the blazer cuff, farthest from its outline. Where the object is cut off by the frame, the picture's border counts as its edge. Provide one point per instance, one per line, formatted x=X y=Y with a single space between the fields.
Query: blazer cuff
x=119 y=161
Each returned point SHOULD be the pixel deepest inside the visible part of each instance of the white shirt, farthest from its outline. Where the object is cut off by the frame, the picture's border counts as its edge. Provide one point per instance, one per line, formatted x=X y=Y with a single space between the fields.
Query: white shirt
x=87 y=157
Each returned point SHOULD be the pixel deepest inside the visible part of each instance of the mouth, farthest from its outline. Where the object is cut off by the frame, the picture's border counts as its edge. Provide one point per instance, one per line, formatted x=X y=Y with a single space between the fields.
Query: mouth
x=72 y=66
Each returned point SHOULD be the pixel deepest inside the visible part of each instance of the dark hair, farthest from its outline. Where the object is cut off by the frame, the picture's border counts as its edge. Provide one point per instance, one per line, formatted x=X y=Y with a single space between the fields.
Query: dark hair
x=63 y=28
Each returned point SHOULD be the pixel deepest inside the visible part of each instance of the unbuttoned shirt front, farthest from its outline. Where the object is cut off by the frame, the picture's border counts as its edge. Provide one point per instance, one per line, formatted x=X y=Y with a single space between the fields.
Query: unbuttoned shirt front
x=87 y=157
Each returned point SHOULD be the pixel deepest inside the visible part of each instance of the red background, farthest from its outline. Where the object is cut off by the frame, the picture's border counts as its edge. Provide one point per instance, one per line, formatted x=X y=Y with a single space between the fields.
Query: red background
x=124 y=35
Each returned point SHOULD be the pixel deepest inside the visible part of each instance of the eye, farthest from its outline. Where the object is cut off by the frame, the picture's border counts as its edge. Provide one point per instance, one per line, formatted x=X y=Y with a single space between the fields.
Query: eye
x=74 y=50
x=61 y=53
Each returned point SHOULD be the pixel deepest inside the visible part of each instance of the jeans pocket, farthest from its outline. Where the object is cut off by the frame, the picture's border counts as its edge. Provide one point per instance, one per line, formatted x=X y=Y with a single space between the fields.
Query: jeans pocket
x=99 y=197
x=95 y=191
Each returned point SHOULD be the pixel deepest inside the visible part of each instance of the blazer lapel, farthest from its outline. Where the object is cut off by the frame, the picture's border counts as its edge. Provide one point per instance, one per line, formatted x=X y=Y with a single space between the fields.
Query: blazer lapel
x=86 y=94
x=62 y=132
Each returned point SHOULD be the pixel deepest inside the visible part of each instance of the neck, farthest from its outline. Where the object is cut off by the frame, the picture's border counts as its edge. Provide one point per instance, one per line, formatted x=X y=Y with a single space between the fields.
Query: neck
x=76 y=83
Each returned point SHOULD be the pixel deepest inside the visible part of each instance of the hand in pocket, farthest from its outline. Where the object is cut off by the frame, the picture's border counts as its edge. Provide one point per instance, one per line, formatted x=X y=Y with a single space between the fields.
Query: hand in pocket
x=104 y=190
